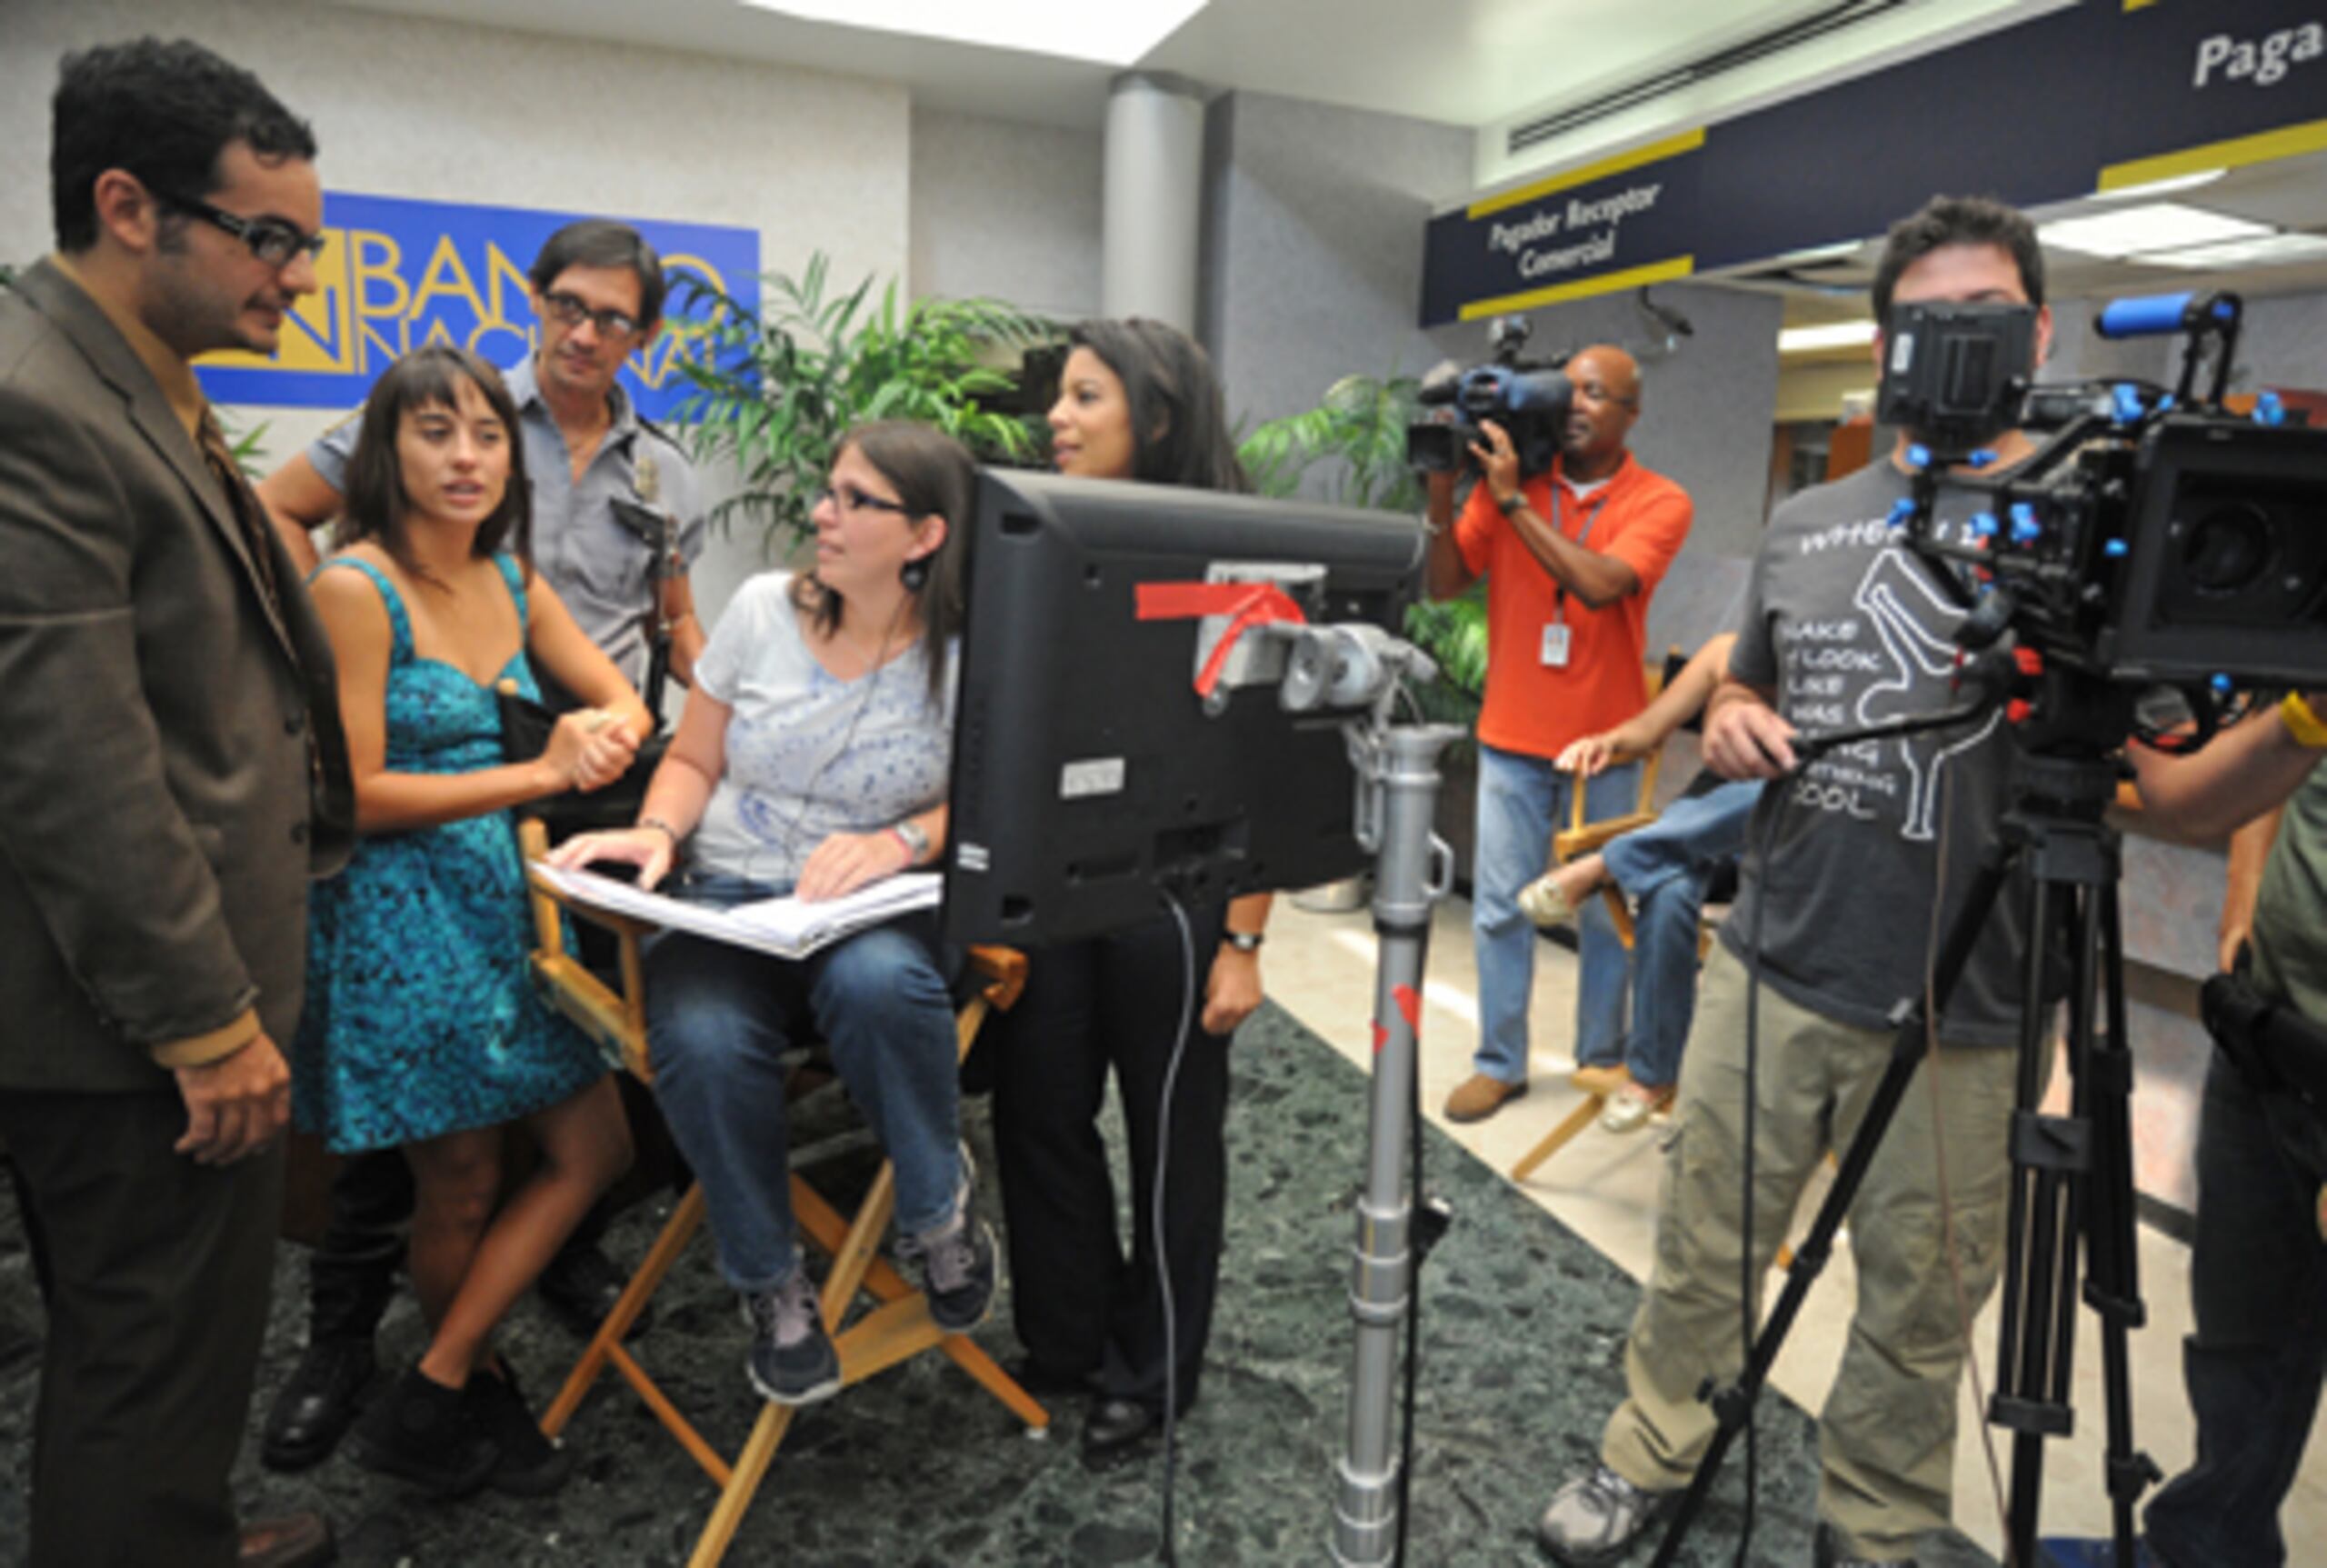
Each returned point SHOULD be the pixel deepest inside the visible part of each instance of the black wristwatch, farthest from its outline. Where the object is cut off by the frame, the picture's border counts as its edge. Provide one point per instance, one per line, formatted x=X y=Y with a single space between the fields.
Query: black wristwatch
x=1513 y=504
x=1244 y=940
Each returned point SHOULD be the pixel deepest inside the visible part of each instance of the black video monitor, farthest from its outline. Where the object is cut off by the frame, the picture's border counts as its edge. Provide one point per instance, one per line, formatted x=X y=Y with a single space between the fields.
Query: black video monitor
x=1088 y=774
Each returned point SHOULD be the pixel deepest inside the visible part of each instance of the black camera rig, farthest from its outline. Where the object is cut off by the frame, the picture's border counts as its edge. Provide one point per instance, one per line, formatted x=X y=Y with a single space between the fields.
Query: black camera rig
x=2153 y=541
x=1530 y=398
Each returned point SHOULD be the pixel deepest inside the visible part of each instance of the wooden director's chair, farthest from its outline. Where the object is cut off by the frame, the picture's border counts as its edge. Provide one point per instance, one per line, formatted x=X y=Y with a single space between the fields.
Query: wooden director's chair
x=897 y=1328
x=1585 y=836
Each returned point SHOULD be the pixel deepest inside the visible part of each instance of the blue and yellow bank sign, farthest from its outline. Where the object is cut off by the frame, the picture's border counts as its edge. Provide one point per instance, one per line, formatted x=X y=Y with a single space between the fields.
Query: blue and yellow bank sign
x=397 y=273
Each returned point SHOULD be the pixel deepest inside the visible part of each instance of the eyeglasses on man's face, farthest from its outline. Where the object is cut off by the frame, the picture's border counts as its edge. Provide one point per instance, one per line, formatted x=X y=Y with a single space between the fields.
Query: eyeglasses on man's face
x=571 y=310
x=275 y=242
x=851 y=499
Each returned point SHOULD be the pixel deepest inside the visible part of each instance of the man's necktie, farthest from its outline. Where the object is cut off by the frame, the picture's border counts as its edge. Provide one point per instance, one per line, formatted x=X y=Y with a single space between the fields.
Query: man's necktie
x=249 y=513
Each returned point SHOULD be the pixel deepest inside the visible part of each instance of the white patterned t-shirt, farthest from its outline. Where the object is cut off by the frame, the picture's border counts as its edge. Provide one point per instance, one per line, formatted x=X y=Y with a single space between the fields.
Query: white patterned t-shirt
x=809 y=755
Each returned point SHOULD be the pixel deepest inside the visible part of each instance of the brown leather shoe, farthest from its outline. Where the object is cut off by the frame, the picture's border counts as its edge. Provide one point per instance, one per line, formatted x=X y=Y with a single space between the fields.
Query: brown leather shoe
x=294 y=1540
x=1478 y=1096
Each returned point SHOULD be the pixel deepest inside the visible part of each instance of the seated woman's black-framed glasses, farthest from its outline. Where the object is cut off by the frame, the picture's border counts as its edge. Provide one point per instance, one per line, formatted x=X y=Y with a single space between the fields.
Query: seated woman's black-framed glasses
x=273 y=240
x=571 y=310
x=851 y=499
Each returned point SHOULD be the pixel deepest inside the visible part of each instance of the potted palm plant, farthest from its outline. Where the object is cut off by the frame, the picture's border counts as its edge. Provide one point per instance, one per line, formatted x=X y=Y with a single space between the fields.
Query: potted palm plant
x=775 y=392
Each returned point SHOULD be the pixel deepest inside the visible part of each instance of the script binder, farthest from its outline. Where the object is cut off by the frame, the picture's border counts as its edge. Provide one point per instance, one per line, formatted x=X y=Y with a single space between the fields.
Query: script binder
x=788 y=927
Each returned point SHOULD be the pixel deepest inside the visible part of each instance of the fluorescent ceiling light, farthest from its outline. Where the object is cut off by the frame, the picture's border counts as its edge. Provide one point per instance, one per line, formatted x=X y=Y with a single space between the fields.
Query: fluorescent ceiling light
x=1834 y=335
x=2172 y=183
x=2270 y=250
x=1112 y=32
x=1813 y=254
x=2153 y=227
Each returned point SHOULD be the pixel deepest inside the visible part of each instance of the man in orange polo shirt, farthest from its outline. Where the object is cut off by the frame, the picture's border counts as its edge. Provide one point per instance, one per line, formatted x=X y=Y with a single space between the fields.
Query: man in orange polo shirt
x=1571 y=556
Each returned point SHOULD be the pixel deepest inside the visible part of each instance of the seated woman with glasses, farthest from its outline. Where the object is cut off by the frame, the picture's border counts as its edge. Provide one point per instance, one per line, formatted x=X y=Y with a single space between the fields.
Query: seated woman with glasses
x=812 y=759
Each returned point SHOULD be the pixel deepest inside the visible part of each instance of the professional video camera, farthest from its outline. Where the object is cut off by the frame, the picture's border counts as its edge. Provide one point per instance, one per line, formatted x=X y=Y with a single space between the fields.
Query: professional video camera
x=2153 y=539
x=1528 y=398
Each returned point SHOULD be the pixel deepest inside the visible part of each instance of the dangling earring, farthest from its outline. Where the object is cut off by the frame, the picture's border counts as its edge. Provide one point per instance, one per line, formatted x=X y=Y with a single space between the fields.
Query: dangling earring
x=914 y=573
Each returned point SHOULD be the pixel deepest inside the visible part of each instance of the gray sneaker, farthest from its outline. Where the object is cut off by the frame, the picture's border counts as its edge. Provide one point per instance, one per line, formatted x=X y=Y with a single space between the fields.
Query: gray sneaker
x=1827 y=1551
x=1596 y=1518
x=792 y=1361
x=956 y=1264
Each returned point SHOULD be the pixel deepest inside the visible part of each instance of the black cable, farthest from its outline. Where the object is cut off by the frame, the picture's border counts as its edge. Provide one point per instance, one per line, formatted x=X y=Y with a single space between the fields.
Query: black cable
x=1155 y=1210
x=1747 y=1320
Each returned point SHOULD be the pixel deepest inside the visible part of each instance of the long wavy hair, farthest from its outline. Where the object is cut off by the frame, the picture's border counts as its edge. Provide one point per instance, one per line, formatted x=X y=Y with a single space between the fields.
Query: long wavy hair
x=1179 y=423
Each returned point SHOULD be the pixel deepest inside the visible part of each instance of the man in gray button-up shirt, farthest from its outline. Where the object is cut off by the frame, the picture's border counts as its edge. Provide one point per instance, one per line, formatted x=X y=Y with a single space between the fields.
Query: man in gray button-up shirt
x=597 y=289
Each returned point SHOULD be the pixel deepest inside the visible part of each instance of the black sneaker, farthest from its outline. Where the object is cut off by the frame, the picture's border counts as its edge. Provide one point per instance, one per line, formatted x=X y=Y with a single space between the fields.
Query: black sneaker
x=531 y=1464
x=317 y=1405
x=421 y=1432
x=793 y=1361
x=956 y=1263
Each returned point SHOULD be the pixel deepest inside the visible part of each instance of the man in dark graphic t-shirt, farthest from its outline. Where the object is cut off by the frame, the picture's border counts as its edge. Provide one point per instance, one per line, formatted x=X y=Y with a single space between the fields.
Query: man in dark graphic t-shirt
x=1874 y=848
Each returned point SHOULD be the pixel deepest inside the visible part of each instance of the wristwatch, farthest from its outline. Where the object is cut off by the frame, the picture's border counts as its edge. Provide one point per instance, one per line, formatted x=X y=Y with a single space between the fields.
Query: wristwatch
x=1512 y=504
x=916 y=841
x=1244 y=940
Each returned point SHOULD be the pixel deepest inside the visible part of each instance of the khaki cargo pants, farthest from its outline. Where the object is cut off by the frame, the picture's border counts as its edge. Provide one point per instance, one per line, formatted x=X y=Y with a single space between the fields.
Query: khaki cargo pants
x=1887 y=1435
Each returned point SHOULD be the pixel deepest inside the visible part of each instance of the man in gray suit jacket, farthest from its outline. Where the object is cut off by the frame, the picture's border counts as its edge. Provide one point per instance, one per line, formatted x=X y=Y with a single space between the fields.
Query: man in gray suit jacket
x=175 y=775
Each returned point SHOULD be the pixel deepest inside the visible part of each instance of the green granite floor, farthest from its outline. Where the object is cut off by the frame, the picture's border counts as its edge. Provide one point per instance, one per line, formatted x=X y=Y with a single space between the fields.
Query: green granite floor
x=1520 y=1363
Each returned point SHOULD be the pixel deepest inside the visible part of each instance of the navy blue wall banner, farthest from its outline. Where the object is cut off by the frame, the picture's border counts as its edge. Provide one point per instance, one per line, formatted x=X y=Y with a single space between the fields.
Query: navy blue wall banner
x=1617 y=224
x=397 y=273
x=2102 y=96
x=2239 y=83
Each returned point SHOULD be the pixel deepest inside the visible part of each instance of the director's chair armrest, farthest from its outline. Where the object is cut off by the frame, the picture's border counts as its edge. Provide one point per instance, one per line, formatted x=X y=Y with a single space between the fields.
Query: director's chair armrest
x=1594 y=836
x=615 y=1019
x=1001 y=975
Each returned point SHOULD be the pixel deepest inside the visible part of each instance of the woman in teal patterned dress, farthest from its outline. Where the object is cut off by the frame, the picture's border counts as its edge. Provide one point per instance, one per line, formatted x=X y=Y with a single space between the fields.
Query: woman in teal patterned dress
x=422 y=1030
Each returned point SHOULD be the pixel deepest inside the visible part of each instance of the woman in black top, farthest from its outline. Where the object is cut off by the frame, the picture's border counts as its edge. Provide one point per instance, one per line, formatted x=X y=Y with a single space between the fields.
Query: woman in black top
x=1137 y=400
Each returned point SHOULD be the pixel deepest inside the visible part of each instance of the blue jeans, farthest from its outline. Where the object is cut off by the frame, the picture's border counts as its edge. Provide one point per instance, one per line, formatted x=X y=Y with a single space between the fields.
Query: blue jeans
x=2258 y=1282
x=1663 y=870
x=719 y=1017
x=1521 y=799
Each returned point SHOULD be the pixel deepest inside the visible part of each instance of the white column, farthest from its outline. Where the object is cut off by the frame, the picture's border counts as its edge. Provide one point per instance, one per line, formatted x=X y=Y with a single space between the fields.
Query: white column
x=1153 y=198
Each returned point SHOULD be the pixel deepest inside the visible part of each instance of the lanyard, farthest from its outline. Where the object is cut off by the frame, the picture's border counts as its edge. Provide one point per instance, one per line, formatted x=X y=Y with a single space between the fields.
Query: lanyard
x=1592 y=510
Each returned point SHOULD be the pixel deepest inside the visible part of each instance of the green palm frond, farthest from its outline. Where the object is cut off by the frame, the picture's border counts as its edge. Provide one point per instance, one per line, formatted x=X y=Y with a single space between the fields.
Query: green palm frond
x=772 y=394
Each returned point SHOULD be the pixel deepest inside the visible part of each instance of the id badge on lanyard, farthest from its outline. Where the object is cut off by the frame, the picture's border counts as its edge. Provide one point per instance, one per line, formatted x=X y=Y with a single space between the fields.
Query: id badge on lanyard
x=1559 y=637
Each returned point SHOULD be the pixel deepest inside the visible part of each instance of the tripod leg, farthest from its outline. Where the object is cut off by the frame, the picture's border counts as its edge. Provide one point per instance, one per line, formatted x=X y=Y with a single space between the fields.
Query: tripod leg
x=2112 y=1261
x=2049 y=1154
x=2073 y=1181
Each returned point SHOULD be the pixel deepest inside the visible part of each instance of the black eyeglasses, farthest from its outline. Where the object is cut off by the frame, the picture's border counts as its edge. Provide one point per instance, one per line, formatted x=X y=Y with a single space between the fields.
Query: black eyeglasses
x=851 y=499
x=573 y=311
x=273 y=240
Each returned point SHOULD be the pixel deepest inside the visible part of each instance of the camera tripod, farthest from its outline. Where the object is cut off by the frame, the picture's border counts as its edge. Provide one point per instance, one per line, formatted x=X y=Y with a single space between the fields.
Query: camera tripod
x=2071 y=1175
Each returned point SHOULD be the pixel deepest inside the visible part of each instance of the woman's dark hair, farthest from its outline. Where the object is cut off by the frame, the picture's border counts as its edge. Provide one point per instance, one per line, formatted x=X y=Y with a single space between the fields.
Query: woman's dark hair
x=1179 y=426
x=1958 y=221
x=164 y=112
x=601 y=243
x=430 y=377
x=932 y=474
